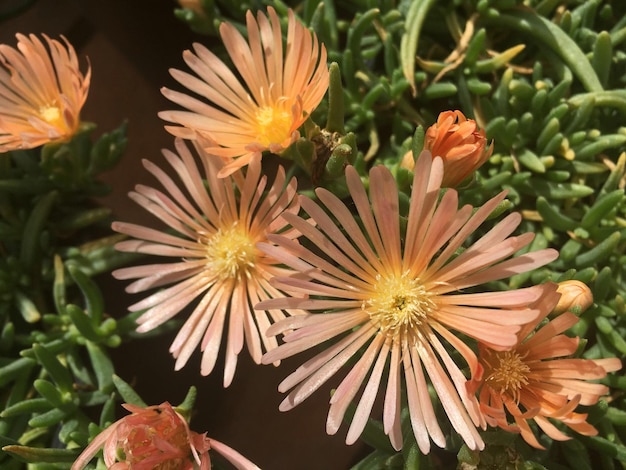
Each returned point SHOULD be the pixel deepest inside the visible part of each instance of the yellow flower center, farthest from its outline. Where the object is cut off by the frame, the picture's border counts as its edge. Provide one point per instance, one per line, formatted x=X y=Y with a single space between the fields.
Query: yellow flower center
x=399 y=305
x=52 y=115
x=506 y=372
x=231 y=253
x=273 y=124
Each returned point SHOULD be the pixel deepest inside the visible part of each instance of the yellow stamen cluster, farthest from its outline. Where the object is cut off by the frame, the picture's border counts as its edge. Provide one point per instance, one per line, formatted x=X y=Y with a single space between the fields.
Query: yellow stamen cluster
x=52 y=115
x=231 y=253
x=399 y=305
x=506 y=372
x=273 y=125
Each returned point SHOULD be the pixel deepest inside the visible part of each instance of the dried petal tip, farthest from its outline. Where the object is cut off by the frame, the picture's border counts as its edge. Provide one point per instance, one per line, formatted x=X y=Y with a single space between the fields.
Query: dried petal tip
x=461 y=145
x=42 y=91
x=576 y=297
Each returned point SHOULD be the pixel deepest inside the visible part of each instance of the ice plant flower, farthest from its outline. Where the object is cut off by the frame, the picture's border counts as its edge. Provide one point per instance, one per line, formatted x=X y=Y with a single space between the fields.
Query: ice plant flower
x=215 y=231
x=281 y=89
x=461 y=145
x=401 y=295
x=536 y=380
x=42 y=91
x=156 y=438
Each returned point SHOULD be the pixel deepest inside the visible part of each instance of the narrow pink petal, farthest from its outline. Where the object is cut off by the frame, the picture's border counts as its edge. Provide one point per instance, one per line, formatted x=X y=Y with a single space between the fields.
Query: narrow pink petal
x=316 y=380
x=415 y=395
x=385 y=207
x=234 y=457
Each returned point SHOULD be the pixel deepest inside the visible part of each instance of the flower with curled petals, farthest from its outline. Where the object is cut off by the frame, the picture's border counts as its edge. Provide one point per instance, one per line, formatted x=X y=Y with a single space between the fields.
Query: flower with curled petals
x=281 y=90
x=42 y=91
x=215 y=229
x=156 y=438
x=400 y=293
x=538 y=380
x=461 y=145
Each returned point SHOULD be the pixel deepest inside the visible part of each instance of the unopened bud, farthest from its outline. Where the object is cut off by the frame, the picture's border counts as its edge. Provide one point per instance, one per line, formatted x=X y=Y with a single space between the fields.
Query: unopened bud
x=576 y=297
x=458 y=141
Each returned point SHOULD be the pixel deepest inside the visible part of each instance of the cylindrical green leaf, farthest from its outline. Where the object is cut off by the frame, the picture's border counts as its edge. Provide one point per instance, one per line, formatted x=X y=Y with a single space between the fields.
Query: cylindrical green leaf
x=58 y=372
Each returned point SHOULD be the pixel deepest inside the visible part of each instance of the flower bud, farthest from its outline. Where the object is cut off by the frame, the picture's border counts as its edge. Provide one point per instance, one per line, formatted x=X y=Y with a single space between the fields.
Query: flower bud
x=576 y=297
x=461 y=145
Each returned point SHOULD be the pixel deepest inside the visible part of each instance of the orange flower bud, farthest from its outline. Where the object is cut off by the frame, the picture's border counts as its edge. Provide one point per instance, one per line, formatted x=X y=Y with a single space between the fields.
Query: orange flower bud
x=576 y=297
x=461 y=145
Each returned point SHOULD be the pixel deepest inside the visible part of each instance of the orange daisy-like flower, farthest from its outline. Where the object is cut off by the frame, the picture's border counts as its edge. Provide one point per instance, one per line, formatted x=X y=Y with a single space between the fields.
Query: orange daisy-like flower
x=536 y=380
x=281 y=90
x=215 y=231
x=461 y=145
x=401 y=294
x=156 y=438
x=41 y=92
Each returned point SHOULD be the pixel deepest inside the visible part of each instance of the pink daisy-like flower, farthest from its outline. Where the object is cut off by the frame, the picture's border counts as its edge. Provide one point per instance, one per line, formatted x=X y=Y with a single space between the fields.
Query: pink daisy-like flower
x=538 y=380
x=156 y=438
x=403 y=295
x=281 y=90
x=41 y=92
x=215 y=231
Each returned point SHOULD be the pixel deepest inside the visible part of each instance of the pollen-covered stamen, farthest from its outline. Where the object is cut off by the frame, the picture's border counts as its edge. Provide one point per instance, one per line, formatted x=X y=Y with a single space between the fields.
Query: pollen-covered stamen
x=230 y=252
x=273 y=124
x=506 y=372
x=52 y=115
x=399 y=305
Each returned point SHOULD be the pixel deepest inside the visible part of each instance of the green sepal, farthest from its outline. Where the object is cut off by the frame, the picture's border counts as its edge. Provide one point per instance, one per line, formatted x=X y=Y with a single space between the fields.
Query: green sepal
x=186 y=407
